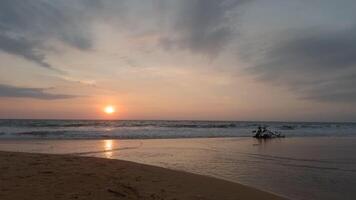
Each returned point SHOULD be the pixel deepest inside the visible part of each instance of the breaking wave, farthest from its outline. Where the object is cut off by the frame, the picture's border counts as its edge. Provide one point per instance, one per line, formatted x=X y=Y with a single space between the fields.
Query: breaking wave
x=126 y=129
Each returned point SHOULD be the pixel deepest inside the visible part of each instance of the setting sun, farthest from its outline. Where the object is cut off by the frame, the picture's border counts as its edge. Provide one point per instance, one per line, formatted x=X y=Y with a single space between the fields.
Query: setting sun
x=109 y=109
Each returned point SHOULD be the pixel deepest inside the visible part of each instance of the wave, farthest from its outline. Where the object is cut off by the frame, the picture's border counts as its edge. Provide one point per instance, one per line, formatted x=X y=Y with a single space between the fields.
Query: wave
x=113 y=135
x=42 y=133
x=112 y=123
x=142 y=129
x=172 y=124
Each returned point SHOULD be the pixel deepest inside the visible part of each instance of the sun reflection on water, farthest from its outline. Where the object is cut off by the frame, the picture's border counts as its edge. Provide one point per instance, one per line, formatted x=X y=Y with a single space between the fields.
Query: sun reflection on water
x=108 y=147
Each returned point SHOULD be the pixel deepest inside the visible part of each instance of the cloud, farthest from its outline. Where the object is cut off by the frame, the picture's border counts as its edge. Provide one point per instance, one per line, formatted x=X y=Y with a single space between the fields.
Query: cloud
x=26 y=26
x=36 y=93
x=202 y=26
x=318 y=65
x=23 y=47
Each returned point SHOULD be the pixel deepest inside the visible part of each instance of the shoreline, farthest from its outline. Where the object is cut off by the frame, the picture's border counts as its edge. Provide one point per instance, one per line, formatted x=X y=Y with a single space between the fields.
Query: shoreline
x=50 y=176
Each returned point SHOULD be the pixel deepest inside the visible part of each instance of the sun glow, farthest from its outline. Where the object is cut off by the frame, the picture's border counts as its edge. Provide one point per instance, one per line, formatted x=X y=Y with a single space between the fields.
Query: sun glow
x=109 y=109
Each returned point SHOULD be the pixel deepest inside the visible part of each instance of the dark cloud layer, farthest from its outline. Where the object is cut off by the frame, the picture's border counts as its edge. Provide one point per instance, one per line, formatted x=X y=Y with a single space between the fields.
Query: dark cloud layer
x=202 y=26
x=319 y=65
x=25 y=26
x=23 y=47
x=36 y=93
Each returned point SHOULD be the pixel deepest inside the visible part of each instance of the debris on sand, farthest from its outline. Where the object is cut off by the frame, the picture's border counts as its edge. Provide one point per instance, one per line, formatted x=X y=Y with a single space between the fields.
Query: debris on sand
x=263 y=132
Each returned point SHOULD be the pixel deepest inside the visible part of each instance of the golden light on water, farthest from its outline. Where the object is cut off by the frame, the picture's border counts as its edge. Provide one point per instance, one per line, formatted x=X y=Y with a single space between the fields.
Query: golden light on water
x=109 y=109
x=108 y=147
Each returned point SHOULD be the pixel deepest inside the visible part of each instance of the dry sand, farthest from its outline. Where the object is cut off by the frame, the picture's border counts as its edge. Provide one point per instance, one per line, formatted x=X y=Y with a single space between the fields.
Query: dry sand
x=45 y=177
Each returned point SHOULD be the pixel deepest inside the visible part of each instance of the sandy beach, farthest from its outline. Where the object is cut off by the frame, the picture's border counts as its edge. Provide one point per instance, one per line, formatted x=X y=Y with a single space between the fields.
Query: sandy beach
x=42 y=176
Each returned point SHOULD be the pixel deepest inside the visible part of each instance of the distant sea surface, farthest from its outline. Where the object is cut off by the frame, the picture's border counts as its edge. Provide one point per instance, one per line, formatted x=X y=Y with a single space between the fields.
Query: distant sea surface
x=143 y=129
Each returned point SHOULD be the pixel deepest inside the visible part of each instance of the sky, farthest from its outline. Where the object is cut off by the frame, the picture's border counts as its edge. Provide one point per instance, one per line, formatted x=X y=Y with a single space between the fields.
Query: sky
x=276 y=60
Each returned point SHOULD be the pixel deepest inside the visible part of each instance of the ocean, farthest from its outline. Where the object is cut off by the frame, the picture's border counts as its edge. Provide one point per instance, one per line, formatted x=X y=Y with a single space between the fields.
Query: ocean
x=314 y=161
x=144 y=129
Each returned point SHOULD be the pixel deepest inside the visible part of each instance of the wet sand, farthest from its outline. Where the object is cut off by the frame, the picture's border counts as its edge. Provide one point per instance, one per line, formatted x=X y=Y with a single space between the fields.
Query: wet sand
x=43 y=176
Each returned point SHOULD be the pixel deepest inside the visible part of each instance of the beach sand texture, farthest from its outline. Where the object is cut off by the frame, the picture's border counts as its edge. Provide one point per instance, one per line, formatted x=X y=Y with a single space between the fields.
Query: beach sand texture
x=42 y=176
